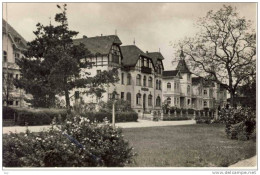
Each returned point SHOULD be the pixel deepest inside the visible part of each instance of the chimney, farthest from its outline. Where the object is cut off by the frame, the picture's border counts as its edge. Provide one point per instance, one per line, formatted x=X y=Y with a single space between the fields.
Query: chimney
x=101 y=34
x=146 y=52
x=84 y=36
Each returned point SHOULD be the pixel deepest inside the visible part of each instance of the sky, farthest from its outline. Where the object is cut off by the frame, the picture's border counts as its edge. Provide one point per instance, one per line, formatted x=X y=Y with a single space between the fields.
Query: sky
x=153 y=26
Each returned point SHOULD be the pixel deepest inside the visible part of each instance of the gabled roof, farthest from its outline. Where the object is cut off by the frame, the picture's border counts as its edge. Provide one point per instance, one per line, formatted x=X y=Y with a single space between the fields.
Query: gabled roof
x=170 y=73
x=155 y=56
x=100 y=44
x=182 y=66
x=14 y=35
x=131 y=54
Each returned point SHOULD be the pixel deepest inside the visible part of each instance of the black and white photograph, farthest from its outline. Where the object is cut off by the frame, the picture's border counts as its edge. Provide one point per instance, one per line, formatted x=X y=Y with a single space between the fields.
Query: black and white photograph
x=129 y=85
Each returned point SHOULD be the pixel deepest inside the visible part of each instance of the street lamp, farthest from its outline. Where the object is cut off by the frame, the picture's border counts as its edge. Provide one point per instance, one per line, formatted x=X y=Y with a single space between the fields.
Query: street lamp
x=113 y=96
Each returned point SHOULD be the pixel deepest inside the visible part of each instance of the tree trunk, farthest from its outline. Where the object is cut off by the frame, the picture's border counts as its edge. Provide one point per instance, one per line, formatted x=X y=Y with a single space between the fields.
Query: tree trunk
x=67 y=97
x=232 y=95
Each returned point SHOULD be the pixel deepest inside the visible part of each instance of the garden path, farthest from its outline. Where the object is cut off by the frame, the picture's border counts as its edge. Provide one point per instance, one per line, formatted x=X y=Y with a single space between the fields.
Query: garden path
x=139 y=124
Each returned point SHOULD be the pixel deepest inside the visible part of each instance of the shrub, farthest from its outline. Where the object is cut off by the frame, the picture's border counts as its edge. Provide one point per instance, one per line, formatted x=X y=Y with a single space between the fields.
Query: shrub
x=120 y=116
x=203 y=119
x=240 y=122
x=190 y=111
x=77 y=143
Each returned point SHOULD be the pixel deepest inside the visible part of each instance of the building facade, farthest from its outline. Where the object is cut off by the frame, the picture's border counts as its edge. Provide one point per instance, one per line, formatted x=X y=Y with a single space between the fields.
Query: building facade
x=13 y=45
x=140 y=73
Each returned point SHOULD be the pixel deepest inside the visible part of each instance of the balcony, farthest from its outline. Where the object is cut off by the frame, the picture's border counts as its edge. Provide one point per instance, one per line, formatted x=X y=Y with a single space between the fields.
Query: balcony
x=146 y=70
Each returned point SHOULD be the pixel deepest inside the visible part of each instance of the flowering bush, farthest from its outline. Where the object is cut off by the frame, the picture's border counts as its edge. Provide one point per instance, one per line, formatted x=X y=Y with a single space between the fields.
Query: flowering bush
x=76 y=143
x=240 y=122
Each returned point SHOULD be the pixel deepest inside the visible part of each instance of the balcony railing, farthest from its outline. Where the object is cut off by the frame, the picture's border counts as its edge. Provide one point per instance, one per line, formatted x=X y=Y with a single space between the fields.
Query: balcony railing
x=146 y=70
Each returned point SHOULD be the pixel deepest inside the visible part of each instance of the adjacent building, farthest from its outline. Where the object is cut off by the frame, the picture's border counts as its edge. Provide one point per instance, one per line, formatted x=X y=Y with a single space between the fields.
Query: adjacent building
x=13 y=45
x=183 y=91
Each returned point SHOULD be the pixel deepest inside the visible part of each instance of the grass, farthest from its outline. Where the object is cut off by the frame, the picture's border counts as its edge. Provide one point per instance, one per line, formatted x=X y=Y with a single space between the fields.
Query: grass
x=198 y=145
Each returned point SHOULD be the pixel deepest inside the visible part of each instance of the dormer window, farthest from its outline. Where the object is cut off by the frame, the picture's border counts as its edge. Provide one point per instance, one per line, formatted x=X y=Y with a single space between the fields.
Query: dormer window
x=17 y=40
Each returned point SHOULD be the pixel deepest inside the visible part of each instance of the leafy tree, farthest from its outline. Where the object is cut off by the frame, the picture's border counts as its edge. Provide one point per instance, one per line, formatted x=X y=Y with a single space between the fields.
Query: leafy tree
x=52 y=64
x=224 y=50
x=7 y=87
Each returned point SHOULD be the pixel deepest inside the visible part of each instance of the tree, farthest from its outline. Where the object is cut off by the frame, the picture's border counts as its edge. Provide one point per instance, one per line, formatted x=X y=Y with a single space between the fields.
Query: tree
x=224 y=50
x=52 y=64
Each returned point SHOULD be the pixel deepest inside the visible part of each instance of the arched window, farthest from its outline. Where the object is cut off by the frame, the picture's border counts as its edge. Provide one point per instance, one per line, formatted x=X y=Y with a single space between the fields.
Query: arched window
x=138 y=80
x=129 y=79
x=150 y=82
x=5 y=56
x=157 y=84
x=169 y=86
x=150 y=100
x=158 y=101
x=205 y=92
x=144 y=81
x=138 y=99
x=160 y=85
x=188 y=89
x=169 y=100
x=128 y=97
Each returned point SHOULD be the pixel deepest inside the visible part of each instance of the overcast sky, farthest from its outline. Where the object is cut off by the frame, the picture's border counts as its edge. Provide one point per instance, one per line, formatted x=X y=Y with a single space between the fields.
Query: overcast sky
x=152 y=25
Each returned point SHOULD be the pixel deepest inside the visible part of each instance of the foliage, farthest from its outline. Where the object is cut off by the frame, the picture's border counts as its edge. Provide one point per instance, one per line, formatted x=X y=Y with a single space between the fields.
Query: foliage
x=24 y=116
x=171 y=118
x=240 y=122
x=224 y=50
x=203 y=119
x=120 y=105
x=77 y=143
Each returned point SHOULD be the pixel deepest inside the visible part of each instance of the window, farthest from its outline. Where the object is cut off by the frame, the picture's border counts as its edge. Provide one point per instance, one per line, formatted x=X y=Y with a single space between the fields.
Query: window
x=138 y=80
x=175 y=101
x=122 y=95
x=128 y=97
x=175 y=86
x=144 y=81
x=122 y=78
x=129 y=79
x=11 y=103
x=5 y=56
x=160 y=85
x=188 y=77
x=205 y=92
x=188 y=89
x=17 y=56
x=98 y=72
x=158 y=101
x=168 y=86
x=150 y=100
x=115 y=57
x=150 y=82
x=157 y=84
x=138 y=99
x=76 y=95
x=17 y=103
x=16 y=76
x=205 y=103
x=168 y=100
x=188 y=102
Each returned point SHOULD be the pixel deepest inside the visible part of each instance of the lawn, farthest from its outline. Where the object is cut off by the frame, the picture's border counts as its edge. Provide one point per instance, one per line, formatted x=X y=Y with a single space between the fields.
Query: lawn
x=198 y=145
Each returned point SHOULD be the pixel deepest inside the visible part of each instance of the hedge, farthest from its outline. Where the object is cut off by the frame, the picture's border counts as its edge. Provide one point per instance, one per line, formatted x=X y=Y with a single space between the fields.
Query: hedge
x=120 y=116
x=31 y=117
x=168 y=118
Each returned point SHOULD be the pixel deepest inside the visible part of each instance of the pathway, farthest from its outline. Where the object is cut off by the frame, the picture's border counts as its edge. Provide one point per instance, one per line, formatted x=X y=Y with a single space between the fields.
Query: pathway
x=251 y=162
x=139 y=124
